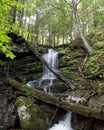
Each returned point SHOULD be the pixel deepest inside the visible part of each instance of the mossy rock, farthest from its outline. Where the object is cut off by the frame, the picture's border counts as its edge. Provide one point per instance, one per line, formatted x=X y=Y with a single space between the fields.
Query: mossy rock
x=29 y=114
x=59 y=87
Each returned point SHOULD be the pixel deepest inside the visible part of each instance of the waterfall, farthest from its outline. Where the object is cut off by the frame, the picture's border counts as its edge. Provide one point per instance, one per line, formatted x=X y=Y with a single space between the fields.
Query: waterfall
x=52 y=59
x=46 y=82
x=64 y=124
x=47 y=79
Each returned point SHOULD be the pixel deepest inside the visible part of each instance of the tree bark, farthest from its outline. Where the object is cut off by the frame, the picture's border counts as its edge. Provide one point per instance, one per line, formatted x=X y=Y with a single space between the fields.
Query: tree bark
x=57 y=74
x=57 y=101
x=75 y=12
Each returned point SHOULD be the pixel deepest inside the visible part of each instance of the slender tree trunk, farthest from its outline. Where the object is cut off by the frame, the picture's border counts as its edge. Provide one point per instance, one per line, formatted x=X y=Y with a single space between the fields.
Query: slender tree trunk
x=21 y=14
x=57 y=38
x=49 y=36
x=42 y=39
x=95 y=14
x=74 y=9
x=83 y=16
x=63 y=38
x=54 y=35
x=37 y=29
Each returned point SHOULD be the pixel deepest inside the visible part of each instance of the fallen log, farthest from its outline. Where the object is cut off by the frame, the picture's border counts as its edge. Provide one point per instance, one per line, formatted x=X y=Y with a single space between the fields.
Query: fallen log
x=19 y=40
x=56 y=73
x=56 y=101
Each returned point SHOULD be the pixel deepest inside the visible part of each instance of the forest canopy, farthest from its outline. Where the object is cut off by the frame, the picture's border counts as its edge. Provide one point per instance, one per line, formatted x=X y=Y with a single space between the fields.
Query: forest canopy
x=49 y=22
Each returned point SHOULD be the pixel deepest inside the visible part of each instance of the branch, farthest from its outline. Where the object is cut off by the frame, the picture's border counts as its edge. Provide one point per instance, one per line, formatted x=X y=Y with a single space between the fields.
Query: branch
x=57 y=74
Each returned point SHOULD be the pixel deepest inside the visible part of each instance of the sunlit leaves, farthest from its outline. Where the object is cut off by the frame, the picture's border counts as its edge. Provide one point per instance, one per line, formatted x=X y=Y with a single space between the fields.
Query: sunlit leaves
x=6 y=26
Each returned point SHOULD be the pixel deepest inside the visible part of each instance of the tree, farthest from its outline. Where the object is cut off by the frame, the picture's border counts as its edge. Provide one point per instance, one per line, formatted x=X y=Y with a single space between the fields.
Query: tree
x=6 y=26
x=73 y=4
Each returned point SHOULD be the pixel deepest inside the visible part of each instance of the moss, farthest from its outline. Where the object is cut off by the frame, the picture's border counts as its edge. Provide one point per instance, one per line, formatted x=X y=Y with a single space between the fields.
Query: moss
x=95 y=62
x=59 y=87
x=98 y=36
x=64 y=51
x=100 y=88
x=99 y=45
x=29 y=114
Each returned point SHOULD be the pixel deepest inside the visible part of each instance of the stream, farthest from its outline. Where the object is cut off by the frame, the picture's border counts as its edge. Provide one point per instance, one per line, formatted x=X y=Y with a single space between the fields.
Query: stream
x=62 y=120
x=46 y=82
x=64 y=124
x=52 y=59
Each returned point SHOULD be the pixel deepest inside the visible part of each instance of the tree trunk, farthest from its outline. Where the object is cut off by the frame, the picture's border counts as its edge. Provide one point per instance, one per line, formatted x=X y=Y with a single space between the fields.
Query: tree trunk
x=74 y=9
x=49 y=37
x=57 y=101
x=57 y=74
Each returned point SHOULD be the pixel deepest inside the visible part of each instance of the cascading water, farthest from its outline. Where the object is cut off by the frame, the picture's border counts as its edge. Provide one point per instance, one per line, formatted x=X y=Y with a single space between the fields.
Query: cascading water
x=64 y=124
x=47 y=79
x=52 y=58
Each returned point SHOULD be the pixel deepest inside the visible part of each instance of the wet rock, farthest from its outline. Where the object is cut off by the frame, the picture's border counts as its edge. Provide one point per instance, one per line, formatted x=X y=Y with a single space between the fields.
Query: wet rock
x=58 y=87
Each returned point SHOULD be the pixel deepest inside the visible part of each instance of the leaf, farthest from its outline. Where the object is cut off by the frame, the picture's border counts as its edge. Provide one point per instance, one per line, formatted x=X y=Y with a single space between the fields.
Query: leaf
x=11 y=55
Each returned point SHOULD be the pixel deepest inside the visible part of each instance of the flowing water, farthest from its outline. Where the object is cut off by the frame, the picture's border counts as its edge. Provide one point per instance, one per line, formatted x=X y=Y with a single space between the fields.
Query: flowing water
x=64 y=124
x=52 y=58
x=46 y=83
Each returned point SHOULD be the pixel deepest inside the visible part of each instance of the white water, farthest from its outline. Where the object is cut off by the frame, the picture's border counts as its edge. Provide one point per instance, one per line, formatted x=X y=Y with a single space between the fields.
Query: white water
x=47 y=79
x=64 y=124
x=52 y=59
x=46 y=83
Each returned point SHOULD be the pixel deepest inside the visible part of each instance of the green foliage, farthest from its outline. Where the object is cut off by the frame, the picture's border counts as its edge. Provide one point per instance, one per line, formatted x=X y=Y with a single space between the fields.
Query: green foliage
x=53 y=17
x=95 y=61
x=6 y=26
x=92 y=65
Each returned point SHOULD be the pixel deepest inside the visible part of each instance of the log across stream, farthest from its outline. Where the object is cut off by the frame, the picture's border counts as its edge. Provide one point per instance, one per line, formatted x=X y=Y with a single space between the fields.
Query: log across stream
x=58 y=101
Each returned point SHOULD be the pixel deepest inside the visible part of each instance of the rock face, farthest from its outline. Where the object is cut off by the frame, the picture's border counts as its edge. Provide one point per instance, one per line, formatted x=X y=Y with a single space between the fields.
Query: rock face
x=7 y=116
x=29 y=114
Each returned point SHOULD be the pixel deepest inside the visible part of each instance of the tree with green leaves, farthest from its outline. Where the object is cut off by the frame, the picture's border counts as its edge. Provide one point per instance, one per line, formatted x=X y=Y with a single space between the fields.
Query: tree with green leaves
x=74 y=6
x=7 y=26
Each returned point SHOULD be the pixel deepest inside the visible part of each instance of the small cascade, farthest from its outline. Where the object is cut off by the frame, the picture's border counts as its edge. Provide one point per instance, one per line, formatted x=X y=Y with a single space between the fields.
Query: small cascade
x=64 y=124
x=46 y=82
x=52 y=59
x=47 y=79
